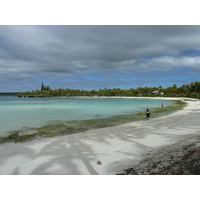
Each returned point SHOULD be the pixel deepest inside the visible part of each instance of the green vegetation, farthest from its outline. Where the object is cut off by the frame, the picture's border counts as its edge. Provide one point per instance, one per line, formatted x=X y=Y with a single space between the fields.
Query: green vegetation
x=187 y=90
x=70 y=127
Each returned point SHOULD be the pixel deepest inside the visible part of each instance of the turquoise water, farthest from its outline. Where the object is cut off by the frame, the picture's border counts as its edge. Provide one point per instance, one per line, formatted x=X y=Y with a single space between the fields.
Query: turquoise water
x=23 y=113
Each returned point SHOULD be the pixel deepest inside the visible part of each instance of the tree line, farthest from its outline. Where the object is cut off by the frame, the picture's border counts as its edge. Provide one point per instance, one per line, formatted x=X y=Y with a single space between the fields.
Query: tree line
x=187 y=90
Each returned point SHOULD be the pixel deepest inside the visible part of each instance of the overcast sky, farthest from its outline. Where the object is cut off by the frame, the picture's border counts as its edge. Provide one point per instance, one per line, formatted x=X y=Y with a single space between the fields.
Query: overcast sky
x=94 y=57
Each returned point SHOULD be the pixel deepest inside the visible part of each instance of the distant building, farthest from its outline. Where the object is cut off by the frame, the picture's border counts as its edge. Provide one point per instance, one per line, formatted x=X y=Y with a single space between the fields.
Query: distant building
x=157 y=92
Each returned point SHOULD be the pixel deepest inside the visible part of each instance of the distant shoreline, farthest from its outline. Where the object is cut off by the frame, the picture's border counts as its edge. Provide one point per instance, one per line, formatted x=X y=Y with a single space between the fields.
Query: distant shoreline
x=156 y=97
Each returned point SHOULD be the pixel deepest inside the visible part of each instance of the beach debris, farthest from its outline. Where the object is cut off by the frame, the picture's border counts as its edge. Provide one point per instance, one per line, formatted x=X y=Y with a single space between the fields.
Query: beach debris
x=99 y=163
x=180 y=158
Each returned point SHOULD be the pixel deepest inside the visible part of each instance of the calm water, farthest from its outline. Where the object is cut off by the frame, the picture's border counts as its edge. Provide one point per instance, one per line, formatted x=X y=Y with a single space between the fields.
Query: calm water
x=21 y=113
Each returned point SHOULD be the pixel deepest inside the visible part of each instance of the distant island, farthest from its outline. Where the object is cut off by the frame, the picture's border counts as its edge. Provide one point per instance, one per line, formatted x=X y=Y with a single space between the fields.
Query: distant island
x=191 y=90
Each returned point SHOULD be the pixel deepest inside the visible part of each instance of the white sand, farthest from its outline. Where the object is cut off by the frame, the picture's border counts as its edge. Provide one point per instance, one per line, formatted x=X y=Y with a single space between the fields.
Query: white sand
x=116 y=147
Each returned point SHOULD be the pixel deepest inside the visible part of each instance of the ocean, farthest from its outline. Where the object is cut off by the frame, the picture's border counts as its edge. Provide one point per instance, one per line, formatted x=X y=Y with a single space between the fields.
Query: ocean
x=26 y=113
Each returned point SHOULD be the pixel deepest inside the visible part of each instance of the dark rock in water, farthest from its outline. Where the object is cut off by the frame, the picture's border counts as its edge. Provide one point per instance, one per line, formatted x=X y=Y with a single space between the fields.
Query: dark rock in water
x=99 y=163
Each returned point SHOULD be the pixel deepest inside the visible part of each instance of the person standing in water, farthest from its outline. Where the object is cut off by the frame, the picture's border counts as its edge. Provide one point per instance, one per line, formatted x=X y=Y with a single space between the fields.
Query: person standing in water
x=148 y=113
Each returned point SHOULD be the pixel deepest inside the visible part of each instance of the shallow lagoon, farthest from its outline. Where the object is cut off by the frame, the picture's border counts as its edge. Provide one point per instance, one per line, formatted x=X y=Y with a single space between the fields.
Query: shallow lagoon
x=26 y=114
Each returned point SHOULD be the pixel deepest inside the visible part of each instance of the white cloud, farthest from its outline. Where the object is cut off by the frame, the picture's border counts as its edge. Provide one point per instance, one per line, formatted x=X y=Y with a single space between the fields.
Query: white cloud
x=164 y=63
x=169 y=62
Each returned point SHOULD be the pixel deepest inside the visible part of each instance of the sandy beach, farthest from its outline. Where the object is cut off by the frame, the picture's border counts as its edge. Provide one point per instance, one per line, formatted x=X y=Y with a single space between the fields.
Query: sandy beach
x=101 y=151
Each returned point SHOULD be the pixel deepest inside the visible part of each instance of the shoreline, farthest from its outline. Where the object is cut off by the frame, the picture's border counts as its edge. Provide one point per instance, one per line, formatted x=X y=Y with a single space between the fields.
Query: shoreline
x=59 y=129
x=155 y=97
x=115 y=147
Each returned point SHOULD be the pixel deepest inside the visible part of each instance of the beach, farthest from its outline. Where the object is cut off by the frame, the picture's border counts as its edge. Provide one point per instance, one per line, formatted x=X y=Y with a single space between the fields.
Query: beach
x=101 y=151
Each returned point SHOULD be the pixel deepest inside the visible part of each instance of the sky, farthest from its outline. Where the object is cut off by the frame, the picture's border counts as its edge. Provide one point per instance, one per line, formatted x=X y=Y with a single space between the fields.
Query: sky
x=90 y=57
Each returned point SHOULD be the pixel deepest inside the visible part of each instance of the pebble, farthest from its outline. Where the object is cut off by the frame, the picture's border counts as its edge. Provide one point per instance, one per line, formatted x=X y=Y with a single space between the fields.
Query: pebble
x=99 y=163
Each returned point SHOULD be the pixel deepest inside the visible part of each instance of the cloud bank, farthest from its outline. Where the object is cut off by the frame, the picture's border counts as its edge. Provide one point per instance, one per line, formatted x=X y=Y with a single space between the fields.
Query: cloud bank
x=85 y=56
